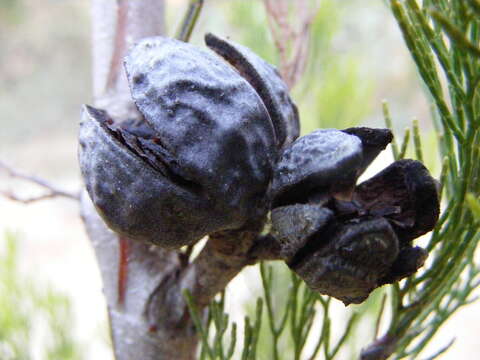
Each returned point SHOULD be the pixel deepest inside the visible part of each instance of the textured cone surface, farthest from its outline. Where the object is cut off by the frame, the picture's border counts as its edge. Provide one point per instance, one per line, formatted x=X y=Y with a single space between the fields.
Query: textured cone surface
x=135 y=199
x=374 y=141
x=348 y=261
x=407 y=187
x=293 y=225
x=318 y=160
x=268 y=83
x=209 y=118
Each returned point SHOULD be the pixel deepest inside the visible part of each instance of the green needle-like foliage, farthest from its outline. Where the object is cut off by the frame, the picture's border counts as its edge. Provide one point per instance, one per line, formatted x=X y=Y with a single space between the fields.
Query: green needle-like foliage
x=443 y=38
x=291 y=323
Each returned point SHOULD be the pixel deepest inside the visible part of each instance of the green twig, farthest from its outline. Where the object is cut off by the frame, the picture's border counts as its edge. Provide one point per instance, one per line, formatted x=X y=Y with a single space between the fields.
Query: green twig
x=455 y=34
x=348 y=329
x=189 y=20
x=426 y=66
x=441 y=351
x=475 y=6
x=198 y=323
x=416 y=141
x=443 y=176
x=474 y=204
x=406 y=139
x=388 y=122
x=379 y=316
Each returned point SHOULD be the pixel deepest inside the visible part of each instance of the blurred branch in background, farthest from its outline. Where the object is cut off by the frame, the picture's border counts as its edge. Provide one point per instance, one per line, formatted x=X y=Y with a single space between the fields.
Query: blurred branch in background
x=53 y=191
x=290 y=24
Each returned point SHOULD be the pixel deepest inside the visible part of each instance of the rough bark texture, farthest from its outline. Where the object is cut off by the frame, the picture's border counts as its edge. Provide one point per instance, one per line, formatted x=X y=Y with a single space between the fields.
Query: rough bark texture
x=129 y=294
x=117 y=25
x=144 y=284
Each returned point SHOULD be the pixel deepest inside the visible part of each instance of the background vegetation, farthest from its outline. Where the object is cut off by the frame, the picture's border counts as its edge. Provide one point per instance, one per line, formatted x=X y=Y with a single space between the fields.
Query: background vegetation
x=32 y=313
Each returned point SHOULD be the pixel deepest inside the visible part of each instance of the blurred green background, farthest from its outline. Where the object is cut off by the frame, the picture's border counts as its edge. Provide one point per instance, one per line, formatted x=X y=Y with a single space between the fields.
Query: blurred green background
x=51 y=306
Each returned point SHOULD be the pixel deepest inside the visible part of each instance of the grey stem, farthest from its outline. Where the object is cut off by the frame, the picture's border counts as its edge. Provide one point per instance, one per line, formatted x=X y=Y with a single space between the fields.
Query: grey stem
x=134 y=336
x=117 y=25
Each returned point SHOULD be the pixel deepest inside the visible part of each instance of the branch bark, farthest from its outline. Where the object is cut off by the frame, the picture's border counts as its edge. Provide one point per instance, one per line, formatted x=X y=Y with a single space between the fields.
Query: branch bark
x=117 y=25
x=225 y=254
x=149 y=268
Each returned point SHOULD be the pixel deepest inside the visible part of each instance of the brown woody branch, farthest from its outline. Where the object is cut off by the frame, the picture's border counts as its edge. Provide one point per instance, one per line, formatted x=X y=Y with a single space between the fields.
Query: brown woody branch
x=225 y=254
